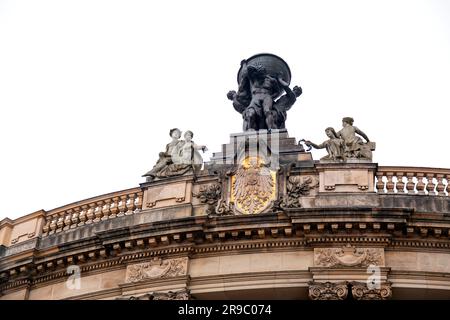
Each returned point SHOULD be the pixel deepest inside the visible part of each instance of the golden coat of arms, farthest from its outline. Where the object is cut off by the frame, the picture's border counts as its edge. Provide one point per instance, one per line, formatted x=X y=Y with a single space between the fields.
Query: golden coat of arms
x=253 y=186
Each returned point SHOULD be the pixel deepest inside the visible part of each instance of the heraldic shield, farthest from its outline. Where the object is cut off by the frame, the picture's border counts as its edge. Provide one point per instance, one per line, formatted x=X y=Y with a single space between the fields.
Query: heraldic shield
x=253 y=186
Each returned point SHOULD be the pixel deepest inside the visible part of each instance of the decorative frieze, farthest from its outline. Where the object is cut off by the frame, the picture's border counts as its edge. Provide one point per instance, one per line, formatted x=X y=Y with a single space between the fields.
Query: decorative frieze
x=328 y=290
x=340 y=291
x=156 y=295
x=156 y=268
x=348 y=256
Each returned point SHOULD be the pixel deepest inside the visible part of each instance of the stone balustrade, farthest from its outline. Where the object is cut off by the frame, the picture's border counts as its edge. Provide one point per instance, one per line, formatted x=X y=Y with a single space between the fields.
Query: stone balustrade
x=413 y=180
x=100 y=208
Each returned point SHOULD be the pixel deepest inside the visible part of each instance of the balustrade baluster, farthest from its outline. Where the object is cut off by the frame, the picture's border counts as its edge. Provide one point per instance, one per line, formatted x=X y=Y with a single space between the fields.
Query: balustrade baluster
x=400 y=184
x=390 y=184
x=440 y=188
x=68 y=219
x=75 y=217
x=98 y=210
x=420 y=184
x=131 y=205
x=410 y=183
x=90 y=213
x=139 y=201
x=83 y=215
x=60 y=222
x=53 y=224
x=122 y=206
x=447 y=177
x=114 y=207
x=380 y=183
x=106 y=211
x=430 y=185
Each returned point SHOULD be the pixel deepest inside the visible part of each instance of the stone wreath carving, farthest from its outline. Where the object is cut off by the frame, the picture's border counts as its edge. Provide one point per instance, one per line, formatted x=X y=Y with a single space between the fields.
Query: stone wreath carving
x=296 y=187
x=348 y=256
x=210 y=195
x=328 y=290
x=360 y=291
x=156 y=268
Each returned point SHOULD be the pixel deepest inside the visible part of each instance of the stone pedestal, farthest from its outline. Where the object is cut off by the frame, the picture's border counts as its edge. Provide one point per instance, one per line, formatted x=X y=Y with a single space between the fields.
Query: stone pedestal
x=354 y=177
x=275 y=145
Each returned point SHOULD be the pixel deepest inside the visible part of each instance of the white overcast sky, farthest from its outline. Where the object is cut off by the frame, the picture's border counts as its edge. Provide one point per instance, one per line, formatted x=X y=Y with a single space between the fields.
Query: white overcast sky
x=90 y=89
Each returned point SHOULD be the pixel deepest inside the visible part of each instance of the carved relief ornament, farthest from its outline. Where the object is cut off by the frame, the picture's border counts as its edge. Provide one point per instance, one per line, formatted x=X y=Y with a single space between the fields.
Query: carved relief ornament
x=296 y=187
x=156 y=268
x=348 y=256
x=328 y=290
x=360 y=291
x=253 y=186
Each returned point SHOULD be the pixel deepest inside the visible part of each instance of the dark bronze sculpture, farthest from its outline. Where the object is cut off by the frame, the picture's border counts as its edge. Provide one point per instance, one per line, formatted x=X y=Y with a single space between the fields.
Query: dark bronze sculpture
x=262 y=79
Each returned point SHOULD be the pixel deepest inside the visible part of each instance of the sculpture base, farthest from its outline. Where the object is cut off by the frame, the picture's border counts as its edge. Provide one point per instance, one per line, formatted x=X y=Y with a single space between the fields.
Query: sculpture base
x=276 y=145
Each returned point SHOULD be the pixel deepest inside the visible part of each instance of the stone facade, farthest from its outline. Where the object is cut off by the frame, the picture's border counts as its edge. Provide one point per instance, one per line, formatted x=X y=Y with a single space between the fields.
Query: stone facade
x=331 y=231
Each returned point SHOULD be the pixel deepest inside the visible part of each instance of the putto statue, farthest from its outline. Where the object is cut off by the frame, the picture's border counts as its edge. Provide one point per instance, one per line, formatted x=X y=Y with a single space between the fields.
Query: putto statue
x=345 y=144
x=262 y=79
x=180 y=157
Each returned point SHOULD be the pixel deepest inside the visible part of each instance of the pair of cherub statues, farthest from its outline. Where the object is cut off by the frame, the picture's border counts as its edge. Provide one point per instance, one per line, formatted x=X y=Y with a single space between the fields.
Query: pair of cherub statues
x=345 y=144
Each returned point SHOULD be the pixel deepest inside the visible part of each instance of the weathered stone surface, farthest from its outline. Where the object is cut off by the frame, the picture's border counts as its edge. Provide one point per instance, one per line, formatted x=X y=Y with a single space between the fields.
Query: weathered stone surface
x=156 y=268
x=167 y=195
x=361 y=291
x=328 y=291
x=348 y=256
x=346 y=178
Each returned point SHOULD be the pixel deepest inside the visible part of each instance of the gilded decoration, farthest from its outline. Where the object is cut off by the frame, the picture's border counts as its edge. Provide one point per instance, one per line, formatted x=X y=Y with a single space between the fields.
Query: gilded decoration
x=253 y=186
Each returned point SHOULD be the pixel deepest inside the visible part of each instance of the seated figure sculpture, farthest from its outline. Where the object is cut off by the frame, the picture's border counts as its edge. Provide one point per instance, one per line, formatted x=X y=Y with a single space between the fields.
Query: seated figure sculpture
x=165 y=158
x=354 y=146
x=334 y=146
x=185 y=152
x=345 y=144
x=180 y=157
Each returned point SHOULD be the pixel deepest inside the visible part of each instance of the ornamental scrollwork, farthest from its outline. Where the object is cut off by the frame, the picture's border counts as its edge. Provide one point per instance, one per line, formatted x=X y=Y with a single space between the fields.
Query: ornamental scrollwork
x=361 y=291
x=328 y=290
x=210 y=195
x=296 y=187
x=156 y=268
x=348 y=256
x=158 y=295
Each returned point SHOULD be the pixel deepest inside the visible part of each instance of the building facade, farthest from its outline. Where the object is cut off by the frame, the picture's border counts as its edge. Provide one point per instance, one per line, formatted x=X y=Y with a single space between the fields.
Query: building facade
x=261 y=220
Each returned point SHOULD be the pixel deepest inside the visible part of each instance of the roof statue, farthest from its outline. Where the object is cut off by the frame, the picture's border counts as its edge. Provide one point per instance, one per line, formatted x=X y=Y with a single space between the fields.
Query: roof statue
x=342 y=227
x=262 y=79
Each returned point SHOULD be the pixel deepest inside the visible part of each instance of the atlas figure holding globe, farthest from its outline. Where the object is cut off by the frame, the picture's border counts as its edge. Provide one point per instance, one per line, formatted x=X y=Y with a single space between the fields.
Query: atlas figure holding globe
x=262 y=79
